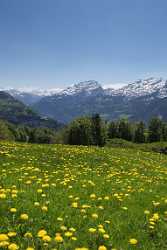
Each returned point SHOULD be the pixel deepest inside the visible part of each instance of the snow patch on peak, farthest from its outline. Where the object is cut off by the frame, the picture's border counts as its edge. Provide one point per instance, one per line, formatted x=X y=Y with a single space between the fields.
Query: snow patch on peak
x=88 y=87
x=145 y=87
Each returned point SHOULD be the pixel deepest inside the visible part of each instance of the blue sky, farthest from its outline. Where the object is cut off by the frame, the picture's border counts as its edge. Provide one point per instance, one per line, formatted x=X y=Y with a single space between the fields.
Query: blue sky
x=54 y=43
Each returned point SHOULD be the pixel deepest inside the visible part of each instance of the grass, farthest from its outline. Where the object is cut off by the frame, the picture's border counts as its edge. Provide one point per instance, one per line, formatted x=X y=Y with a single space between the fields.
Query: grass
x=158 y=147
x=89 y=198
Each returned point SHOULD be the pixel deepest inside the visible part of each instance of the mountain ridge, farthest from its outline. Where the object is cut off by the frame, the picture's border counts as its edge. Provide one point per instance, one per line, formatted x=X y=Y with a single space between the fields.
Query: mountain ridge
x=137 y=88
x=16 y=112
x=137 y=101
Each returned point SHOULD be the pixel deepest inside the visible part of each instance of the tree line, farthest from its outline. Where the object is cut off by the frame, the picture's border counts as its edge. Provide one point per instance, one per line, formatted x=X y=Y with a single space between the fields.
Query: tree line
x=22 y=133
x=96 y=131
x=87 y=130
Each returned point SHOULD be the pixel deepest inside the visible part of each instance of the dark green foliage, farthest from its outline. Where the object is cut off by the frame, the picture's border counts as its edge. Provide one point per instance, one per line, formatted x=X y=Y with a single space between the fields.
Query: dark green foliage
x=26 y=134
x=5 y=133
x=125 y=130
x=164 y=132
x=16 y=112
x=139 y=135
x=42 y=135
x=98 y=132
x=79 y=132
x=112 y=131
x=85 y=131
x=155 y=130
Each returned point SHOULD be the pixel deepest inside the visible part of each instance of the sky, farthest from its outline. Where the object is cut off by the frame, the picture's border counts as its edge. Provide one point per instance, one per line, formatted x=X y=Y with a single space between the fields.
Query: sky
x=55 y=43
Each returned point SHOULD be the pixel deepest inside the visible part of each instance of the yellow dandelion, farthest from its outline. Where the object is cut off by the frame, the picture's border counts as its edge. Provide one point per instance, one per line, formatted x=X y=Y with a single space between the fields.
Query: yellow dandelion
x=12 y=234
x=92 y=230
x=4 y=237
x=28 y=235
x=133 y=241
x=24 y=216
x=46 y=238
x=4 y=244
x=94 y=216
x=102 y=248
x=58 y=238
x=68 y=234
x=13 y=246
x=42 y=233
x=13 y=210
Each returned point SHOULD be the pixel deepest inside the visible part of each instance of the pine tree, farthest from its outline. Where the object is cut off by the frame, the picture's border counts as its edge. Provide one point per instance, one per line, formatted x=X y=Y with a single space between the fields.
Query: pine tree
x=155 y=129
x=124 y=130
x=112 y=131
x=79 y=132
x=98 y=131
x=139 y=135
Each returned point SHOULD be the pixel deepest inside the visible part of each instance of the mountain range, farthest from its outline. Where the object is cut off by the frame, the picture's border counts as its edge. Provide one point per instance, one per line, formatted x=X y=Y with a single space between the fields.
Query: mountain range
x=139 y=100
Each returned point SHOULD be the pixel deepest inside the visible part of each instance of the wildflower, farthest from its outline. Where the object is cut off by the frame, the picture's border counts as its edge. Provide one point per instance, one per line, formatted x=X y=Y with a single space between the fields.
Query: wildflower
x=30 y=248
x=133 y=241
x=44 y=208
x=94 y=216
x=46 y=238
x=92 y=230
x=58 y=238
x=81 y=248
x=13 y=210
x=155 y=216
x=74 y=205
x=101 y=230
x=102 y=248
x=36 y=204
x=42 y=233
x=3 y=237
x=63 y=228
x=74 y=238
x=2 y=196
x=93 y=196
x=147 y=212
x=24 y=216
x=4 y=244
x=106 y=236
x=28 y=235
x=59 y=219
x=39 y=191
x=12 y=234
x=68 y=234
x=13 y=246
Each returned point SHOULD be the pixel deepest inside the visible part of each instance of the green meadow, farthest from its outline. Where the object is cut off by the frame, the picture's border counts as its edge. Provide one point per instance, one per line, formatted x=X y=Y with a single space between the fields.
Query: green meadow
x=82 y=198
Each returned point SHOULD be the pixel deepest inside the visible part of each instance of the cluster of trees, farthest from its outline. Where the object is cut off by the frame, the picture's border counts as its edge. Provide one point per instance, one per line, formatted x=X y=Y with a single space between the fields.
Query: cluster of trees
x=88 y=131
x=9 y=131
x=155 y=131
x=95 y=131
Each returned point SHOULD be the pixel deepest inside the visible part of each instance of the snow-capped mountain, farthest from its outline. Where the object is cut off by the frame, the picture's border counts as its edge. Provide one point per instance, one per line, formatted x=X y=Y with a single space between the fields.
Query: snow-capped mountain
x=135 y=89
x=137 y=100
x=144 y=87
x=29 y=96
x=87 y=87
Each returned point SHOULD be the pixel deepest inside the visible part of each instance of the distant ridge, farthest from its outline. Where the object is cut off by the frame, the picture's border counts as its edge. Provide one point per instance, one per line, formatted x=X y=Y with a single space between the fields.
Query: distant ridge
x=138 y=100
x=16 y=112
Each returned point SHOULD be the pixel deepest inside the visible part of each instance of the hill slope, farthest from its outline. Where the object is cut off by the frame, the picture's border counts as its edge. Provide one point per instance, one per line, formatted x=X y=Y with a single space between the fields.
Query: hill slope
x=88 y=197
x=16 y=112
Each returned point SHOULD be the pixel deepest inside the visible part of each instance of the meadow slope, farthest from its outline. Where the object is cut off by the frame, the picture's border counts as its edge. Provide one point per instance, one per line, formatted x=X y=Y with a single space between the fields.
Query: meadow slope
x=71 y=198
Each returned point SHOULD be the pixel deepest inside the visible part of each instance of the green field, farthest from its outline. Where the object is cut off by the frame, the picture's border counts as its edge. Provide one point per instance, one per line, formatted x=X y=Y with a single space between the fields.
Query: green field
x=67 y=197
